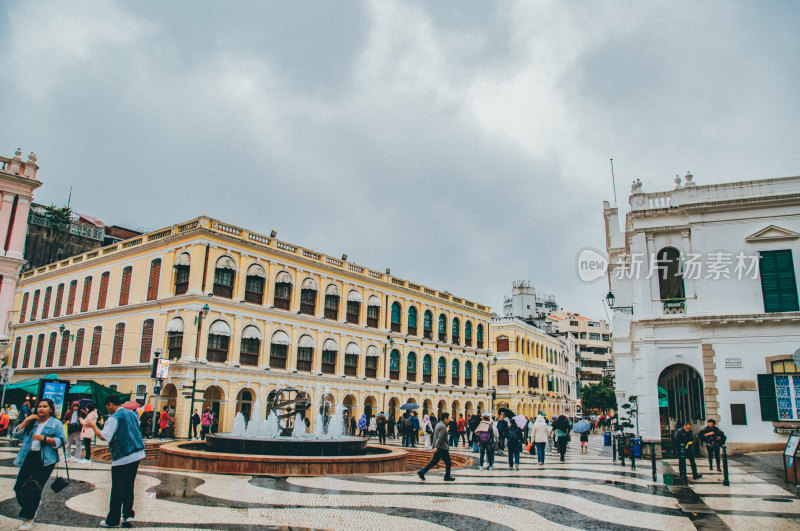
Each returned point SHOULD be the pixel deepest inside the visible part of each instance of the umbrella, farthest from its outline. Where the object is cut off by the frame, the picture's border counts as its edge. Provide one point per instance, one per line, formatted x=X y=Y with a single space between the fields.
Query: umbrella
x=520 y=420
x=147 y=407
x=409 y=406
x=581 y=427
x=130 y=404
x=84 y=402
x=507 y=412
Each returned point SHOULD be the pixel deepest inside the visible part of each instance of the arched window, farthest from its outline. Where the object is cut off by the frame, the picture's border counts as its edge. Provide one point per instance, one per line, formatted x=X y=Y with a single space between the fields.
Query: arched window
x=51 y=349
x=412 y=320
x=94 y=354
x=224 y=275
x=26 y=358
x=456 y=371
x=146 y=345
x=35 y=304
x=152 y=283
x=479 y=336
x=456 y=335
x=468 y=373
x=125 y=286
x=330 y=349
x=351 y=355
x=182 y=267
x=427 y=363
x=305 y=353
x=283 y=291
x=502 y=377
x=119 y=339
x=354 y=301
x=102 y=293
x=219 y=335
x=670 y=277
x=395 y=316
x=254 y=284
x=442 y=328
x=77 y=353
x=394 y=365
x=46 y=303
x=59 y=297
x=468 y=333
x=442 y=370
x=15 y=358
x=308 y=296
x=373 y=311
x=73 y=291
x=24 y=307
x=427 y=325
x=502 y=344
x=411 y=367
x=250 y=347
x=371 y=362
x=174 y=338
x=279 y=346
x=332 y=296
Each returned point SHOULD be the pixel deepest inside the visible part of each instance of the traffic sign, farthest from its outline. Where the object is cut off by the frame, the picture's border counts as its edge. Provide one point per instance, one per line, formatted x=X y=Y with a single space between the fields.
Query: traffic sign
x=5 y=374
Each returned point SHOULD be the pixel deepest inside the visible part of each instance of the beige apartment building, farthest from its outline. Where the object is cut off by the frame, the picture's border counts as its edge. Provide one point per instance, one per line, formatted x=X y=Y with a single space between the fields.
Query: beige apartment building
x=593 y=341
x=240 y=315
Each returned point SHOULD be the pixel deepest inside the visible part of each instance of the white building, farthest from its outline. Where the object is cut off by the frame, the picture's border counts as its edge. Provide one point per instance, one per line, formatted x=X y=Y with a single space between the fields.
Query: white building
x=526 y=304
x=713 y=328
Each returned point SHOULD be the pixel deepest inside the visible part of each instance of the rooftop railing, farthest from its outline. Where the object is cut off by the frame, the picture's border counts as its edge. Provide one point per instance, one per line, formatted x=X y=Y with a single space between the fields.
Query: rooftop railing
x=270 y=242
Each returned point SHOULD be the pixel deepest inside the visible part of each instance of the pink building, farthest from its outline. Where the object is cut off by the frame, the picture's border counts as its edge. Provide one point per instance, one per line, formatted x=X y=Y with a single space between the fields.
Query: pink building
x=17 y=183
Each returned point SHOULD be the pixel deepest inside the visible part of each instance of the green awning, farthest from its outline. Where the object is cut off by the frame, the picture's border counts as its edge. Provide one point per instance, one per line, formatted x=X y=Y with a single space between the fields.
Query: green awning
x=30 y=385
x=80 y=389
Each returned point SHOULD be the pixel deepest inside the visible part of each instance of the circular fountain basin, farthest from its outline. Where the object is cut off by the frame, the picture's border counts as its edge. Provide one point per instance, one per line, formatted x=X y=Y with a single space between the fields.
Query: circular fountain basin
x=197 y=456
x=301 y=446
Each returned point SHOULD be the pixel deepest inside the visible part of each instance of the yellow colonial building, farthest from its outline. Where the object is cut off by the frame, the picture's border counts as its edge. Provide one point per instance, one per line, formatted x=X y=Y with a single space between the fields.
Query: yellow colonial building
x=531 y=369
x=277 y=315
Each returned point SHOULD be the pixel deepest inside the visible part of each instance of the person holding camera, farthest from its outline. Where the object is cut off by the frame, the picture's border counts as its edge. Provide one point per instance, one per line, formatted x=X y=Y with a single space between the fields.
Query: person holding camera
x=41 y=434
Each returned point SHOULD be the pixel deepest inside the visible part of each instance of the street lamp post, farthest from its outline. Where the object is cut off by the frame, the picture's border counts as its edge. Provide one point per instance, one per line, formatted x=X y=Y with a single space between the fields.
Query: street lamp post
x=390 y=342
x=200 y=315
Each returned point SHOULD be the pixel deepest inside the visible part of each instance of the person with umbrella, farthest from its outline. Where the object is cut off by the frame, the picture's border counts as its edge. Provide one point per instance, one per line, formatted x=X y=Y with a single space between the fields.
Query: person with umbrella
x=583 y=428
x=561 y=429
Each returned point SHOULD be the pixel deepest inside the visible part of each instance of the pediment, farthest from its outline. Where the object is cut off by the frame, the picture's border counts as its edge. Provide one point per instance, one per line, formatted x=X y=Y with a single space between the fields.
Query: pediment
x=772 y=232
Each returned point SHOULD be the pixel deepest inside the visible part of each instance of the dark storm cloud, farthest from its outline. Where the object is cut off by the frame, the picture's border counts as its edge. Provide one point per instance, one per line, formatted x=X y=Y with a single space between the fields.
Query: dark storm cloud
x=464 y=145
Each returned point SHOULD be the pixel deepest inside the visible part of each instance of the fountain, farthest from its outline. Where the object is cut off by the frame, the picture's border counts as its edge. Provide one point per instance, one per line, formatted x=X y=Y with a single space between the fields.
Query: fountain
x=280 y=444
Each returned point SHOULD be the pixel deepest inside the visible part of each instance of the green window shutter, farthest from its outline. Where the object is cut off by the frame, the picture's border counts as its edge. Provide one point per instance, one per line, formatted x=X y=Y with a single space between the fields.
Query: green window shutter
x=778 y=283
x=767 y=398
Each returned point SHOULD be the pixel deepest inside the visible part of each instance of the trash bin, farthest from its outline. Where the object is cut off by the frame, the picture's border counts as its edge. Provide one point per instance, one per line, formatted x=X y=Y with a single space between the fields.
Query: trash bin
x=607 y=438
x=637 y=446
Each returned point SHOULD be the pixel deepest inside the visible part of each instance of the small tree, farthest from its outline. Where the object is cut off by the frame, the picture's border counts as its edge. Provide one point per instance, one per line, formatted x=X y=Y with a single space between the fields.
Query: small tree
x=58 y=216
x=625 y=418
x=598 y=396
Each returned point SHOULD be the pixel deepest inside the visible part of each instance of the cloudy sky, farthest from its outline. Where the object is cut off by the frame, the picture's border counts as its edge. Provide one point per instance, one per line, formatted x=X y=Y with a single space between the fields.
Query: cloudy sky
x=463 y=144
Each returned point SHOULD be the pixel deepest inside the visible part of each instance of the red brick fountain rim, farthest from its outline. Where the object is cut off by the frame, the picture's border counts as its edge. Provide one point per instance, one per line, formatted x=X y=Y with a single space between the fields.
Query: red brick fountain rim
x=186 y=456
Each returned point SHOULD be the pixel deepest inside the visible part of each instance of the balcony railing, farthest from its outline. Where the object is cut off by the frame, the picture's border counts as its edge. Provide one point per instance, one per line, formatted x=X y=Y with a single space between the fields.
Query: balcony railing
x=674 y=306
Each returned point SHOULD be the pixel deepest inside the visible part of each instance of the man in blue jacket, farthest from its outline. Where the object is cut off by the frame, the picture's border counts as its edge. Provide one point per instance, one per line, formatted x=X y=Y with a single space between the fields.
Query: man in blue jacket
x=121 y=430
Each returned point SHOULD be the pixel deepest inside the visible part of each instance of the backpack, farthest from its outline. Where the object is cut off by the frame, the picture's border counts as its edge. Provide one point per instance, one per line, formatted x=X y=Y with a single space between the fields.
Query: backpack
x=513 y=435
x=408 y=424
x=484 y=436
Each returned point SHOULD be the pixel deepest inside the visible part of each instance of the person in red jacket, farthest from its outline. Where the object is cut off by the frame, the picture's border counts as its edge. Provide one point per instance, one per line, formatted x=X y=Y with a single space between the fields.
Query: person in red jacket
x=163 y=422
x=462 y=429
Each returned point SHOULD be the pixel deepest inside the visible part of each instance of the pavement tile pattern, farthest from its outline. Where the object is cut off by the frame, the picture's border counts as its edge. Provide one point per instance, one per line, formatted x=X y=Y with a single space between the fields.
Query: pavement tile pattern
x=587 y=491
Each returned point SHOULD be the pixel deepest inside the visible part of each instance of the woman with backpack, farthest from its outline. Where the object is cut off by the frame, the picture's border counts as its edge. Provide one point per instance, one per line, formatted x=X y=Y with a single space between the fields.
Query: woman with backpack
x=486 y=440
x=514 y=443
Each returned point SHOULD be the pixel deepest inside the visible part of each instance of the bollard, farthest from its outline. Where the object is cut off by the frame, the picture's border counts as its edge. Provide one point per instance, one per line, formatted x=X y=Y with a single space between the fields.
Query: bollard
x=614 y=449
x=621 y=450
x=633 y=453
x=653 y=460
x=682 y=461
x=725 y=480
